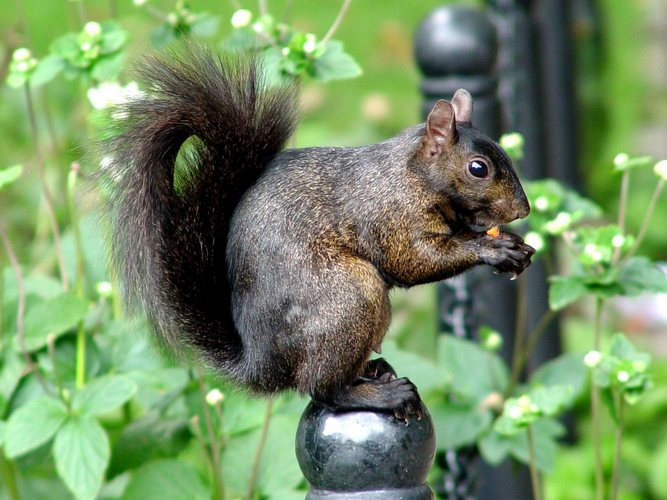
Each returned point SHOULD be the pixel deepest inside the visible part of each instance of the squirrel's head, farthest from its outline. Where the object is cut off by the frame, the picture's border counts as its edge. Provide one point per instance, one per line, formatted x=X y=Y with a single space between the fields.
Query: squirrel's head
x=466 y=166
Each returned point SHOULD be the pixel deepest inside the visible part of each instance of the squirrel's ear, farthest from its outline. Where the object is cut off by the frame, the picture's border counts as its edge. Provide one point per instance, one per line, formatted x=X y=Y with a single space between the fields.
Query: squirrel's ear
x=462 y=102
x=440 y=127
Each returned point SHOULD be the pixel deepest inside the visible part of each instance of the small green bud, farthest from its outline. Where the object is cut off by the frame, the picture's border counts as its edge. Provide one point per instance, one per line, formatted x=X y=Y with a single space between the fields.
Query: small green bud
x=639 y=365
x=593 y=252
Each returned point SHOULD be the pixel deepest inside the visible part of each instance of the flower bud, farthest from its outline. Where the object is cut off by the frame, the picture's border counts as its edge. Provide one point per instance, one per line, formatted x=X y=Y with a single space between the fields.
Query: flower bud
x=241 y=18
x=92 y=29
x=592 y=359
x=623 y=376
x=621 y=159
x=22 y=54
x=215 y=397
x=660 y=169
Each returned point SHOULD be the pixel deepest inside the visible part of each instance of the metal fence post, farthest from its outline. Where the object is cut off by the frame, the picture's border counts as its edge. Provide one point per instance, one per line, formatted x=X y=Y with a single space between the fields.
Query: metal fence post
x=364 y=454
x=456 y=47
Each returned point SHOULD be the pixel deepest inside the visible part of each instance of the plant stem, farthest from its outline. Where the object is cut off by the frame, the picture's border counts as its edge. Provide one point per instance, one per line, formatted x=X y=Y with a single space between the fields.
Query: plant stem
x=616 y=471
x=56 y=372
x=534 y=474
x=337 y=22
x=8 y=474
x=260 y=449
x=519 y=333
x=647 y=218
x=524 y=354
x=76 y=234
x=595 y=406
x=80 y=356
x=20 y=312
x=214 y=445
x=263 y=9
x=46 y=193
x=622 y=206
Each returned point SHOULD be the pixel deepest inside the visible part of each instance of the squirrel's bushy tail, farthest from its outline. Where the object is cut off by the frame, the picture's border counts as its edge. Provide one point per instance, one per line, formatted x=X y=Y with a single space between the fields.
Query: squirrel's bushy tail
x=171 y=212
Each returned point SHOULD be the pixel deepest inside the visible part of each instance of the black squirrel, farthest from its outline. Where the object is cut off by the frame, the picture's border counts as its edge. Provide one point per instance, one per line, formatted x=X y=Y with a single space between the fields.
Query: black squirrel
x=276 y=265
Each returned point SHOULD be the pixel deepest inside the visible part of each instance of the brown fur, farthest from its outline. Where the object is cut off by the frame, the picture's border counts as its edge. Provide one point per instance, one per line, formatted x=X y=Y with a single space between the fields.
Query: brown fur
x=276 y=266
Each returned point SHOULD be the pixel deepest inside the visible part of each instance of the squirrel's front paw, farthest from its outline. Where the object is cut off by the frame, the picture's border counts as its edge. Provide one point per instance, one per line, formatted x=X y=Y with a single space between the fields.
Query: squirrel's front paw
x=507 y=253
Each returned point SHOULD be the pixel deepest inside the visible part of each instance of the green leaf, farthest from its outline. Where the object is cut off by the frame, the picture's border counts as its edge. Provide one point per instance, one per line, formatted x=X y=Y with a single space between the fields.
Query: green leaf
x=47 y=69
x=66 y=46
x=566 y=369
x=458 y=357
x=459 y=426
x=494 y=447
x=10 y=174
x=546 y=432
x=150 y=437
x=113 y=38
x=104 y=394
x=108 y=67
x=424 y=373
x=16 y=80
x=53 y=317
x=11 y=371
x=552 y=400
x=335 y=64
x=33 y=424
x=166 y=480
x=278 y=468
x=565 y=290
x=81 y=452
x=639 y=275
x=205 y=25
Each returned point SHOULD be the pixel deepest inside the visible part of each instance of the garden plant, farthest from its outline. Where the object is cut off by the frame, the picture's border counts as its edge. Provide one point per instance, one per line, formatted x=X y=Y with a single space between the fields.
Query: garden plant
x=89 y=405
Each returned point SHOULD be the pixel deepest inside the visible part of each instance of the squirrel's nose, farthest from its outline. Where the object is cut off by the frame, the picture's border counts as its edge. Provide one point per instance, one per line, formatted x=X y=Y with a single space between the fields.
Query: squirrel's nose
x=521 y=206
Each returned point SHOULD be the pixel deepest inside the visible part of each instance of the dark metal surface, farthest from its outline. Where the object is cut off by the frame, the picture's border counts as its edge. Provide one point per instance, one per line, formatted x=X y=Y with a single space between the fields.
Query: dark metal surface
x=363 y=454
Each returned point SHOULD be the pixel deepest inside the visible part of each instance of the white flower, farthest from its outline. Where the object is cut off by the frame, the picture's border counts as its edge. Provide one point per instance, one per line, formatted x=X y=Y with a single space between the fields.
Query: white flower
x=592 y=359
x=285 y=51
x=104 y=289
x=618 y=241
x=215 y=397
x=593 y=252
x=92 y=29
x=511 y=141
x=515 y=412
x=559 y=224
x=623 y=376
x=621 y=159
x=139 y=3
x=258 y=27
x=22 y=54
x=241 y=18
x=310 y=45
x=541 y=203
x=108 y=94
x=660 y=169
x=535 y=240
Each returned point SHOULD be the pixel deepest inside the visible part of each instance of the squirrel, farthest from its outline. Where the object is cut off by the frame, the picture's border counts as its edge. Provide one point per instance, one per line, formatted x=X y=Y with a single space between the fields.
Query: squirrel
x=276 y=264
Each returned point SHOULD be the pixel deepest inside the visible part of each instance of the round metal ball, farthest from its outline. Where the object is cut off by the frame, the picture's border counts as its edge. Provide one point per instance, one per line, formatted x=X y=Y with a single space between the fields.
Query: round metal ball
x=363 y=451
x=456 y=40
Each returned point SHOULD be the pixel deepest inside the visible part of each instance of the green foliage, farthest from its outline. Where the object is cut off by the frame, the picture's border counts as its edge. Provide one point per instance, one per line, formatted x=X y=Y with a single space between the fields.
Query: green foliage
x=87 y=407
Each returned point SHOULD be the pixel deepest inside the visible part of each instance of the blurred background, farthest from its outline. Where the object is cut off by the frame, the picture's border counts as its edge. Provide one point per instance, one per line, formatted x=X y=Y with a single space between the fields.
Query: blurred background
x=618 y=72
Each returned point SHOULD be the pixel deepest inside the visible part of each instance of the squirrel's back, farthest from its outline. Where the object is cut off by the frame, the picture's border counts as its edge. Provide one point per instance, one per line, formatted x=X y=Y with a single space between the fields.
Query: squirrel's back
x=171 y=205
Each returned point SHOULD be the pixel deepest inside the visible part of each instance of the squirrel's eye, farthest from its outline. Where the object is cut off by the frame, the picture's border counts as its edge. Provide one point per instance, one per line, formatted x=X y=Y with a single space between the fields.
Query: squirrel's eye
x=478 y=168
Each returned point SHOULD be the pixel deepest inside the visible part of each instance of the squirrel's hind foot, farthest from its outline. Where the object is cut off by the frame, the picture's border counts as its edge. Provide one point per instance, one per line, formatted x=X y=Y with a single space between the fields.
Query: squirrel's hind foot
x=384 y=393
